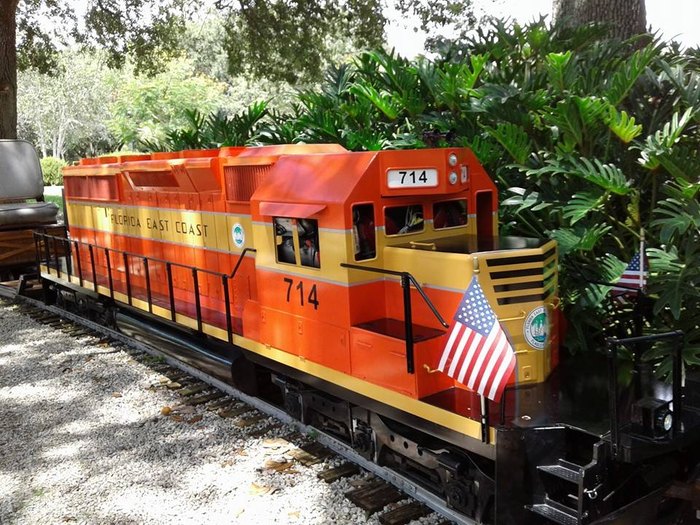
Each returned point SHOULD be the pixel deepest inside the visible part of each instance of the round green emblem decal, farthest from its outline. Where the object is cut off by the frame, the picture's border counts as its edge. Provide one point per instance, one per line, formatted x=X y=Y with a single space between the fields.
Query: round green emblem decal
x=238 y=235
x=535 y=328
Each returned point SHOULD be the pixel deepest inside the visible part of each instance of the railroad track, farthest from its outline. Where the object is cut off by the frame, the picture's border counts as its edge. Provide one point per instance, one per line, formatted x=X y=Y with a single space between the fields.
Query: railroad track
x=374 y=489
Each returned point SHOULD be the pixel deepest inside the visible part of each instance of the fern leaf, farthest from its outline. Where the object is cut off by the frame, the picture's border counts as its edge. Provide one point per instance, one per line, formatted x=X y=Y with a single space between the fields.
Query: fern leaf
x=627 y=74
x=382 y=101
x=606 y=176
x=623 y=125
x=676 y=217
x=580 y=205
x=513 y=138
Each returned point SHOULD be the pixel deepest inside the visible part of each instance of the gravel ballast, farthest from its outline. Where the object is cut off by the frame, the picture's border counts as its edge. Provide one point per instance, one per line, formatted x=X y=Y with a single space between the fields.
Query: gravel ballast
x=85 y=437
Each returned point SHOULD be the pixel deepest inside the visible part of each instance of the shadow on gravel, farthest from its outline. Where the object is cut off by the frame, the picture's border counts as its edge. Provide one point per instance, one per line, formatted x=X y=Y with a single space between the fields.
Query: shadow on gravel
x=78 y=443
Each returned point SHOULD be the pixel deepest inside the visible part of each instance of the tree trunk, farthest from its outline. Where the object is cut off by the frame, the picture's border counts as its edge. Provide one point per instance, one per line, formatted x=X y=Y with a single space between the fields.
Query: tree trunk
x=624 y=18
x=8 y=69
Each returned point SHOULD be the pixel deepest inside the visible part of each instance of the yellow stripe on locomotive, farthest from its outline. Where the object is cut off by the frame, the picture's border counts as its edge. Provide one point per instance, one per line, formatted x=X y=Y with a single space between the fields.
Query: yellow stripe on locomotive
x=308 y=212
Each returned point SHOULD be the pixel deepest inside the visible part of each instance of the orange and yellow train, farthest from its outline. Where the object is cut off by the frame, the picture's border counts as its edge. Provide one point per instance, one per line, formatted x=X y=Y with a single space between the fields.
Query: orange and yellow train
x=332 y=272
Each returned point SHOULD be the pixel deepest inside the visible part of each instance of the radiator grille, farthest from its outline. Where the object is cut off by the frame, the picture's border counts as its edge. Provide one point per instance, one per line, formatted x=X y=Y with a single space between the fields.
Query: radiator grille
x=537 y=275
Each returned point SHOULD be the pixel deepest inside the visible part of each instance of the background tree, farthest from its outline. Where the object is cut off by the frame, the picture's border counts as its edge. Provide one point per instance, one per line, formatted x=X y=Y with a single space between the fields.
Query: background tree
x=143 y=109
x=66 y=113
x=289 y=40
x=8 y=70
x=623 y=18
x=31 y=32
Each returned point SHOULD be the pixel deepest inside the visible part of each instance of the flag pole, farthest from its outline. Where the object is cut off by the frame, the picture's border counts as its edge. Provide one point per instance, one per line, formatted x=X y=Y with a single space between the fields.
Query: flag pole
x=641 y=259
x=482 y=398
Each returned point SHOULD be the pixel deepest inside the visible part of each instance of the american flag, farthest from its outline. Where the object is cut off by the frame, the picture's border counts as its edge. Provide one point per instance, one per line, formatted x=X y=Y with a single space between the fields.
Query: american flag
x=634 y=277
x=477 y=352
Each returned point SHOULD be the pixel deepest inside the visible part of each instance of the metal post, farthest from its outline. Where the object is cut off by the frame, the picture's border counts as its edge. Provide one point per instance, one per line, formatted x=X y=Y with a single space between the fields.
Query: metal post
x=484 y=419
x=229 y=327
x=128 y=277
x=148 y=284
x=677 y=386
x=408 y=322
x=46 y=252
x=55 y=255
x=612 y=396
x=109 y=274
x=78 y=263
x=197 y=301
x=171 y=293
x=92 y=267
x=66 y=247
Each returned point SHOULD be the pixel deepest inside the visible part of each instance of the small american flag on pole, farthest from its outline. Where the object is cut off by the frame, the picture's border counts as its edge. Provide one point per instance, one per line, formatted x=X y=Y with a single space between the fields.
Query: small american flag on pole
x=633 y=278
x=477 y=352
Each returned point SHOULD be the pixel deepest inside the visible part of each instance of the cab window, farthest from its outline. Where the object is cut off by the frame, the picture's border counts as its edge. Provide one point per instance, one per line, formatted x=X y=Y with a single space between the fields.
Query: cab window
x=297 y=241
x=449 y=214
x=363 y=232
x=308 y=242
x=400 y=220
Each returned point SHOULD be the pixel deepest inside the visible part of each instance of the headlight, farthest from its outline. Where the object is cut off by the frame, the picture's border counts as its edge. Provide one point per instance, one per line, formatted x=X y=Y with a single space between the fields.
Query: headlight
x=664 y=420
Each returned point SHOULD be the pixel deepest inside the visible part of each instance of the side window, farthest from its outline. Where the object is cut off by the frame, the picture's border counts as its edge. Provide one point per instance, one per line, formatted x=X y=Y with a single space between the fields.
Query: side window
x=284 y=239
x=449 y=214
x=297 y=241
x=363 y=232
x=400 y=220
x=308 y=242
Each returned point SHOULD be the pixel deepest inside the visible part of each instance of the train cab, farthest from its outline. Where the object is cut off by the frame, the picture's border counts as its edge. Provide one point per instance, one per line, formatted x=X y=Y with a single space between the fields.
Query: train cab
x=336 y=234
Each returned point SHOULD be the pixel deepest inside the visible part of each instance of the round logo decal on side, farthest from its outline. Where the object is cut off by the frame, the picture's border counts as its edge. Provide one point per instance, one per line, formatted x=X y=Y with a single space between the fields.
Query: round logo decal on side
x=535 y=328
x=238 y=235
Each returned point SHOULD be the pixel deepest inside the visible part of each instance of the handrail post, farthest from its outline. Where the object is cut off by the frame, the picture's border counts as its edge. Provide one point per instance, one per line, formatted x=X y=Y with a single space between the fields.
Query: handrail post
x=612 y=396
x=229 y=326
x=65 y=243
x=109 y=274
x=92 y=267
x=169 y=273
x=408 y=322
x=197 y=299
x=677 y=386
x=47 y=253
x=78 y=263
x=148 y=284
x=55 y=254
x=128 y=278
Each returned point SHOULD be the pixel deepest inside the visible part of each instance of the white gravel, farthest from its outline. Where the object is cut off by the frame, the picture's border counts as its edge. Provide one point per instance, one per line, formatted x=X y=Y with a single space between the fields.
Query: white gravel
x=83 y=440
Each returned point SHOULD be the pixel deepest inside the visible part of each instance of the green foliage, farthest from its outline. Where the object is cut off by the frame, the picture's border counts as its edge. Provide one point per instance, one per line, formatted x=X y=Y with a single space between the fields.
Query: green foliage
x=51 y=168
x=591 y=142
x=146 y=109
x=212 y=131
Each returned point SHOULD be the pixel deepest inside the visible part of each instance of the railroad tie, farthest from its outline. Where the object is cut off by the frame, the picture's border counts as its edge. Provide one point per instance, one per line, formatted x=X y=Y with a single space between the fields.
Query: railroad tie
x=194 y=389
x=200 y=400
x=311 y=454
x=374 y=496
x=341 y=471
x=404 y=514
x=235 y=411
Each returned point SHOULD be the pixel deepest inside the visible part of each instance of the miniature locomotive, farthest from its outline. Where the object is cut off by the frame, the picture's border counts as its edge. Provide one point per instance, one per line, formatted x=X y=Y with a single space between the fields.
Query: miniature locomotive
x=329 y=274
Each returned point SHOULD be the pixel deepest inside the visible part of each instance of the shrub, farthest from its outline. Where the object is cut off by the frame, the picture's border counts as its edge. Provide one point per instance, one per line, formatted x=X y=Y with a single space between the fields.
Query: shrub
x=52 y=169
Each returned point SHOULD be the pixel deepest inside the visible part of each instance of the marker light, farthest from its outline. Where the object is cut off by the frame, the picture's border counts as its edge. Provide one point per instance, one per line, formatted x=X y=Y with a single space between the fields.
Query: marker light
x=452 y=159
x=453 y=177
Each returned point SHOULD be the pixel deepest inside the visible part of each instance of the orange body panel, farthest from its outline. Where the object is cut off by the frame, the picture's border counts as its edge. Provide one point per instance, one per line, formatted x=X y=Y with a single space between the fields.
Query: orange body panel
x=201 y=209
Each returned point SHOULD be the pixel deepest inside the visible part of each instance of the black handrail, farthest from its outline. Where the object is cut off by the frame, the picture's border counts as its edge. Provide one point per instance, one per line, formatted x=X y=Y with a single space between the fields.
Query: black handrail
x=632 y=343
x=195 y=273
x=406 y=280
x=240 y=261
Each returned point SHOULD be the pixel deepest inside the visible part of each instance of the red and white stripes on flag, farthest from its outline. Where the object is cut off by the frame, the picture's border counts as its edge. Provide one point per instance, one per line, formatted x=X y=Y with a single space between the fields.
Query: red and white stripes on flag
x=634 y=277
x=478 y=353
